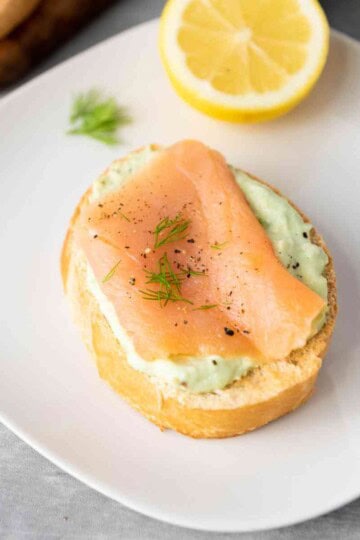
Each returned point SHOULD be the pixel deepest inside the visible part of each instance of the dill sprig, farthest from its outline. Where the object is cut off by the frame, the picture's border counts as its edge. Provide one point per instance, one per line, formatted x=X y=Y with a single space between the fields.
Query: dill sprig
x=165 y=276
x=164 y=297
x=170 y=230
x=111 y=272
x=169 y=282
x=189 y=272
x=218 y=246
x=205 y=307
x=124 y=216
x=97 y=116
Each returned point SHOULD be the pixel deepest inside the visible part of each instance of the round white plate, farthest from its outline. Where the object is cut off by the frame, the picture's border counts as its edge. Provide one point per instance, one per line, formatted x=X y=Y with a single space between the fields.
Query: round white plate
x=50 y=395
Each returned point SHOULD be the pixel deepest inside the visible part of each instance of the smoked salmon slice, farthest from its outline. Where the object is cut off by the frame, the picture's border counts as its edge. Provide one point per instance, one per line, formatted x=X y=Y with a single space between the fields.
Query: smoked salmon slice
x=188 y=267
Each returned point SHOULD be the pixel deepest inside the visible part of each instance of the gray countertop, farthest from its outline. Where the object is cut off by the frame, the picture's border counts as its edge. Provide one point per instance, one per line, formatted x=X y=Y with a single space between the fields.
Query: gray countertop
x=38 y=500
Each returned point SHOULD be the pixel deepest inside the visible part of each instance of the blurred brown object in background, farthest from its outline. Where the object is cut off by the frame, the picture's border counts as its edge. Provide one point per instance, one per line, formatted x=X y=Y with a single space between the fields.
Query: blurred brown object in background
x=13 y=12
x=49 y=25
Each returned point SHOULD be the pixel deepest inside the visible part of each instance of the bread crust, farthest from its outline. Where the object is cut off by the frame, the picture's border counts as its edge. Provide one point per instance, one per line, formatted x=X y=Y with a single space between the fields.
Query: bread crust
x=267 y=393
x=13 y=12
x=31 y=29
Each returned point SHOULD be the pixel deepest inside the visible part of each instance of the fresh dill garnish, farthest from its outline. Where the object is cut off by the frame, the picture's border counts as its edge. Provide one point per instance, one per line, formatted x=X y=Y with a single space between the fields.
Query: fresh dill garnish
x=189 y=272
x=218 y=246
x=165 y=276
x=97 y=116
x=111 y=272
x=124 y=216
x=170 y=230
x=205 y=306
x=164 y=297
x=169 y=282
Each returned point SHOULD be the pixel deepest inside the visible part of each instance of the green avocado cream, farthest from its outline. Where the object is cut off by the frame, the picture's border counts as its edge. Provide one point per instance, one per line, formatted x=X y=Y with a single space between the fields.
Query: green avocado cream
x=289 y=235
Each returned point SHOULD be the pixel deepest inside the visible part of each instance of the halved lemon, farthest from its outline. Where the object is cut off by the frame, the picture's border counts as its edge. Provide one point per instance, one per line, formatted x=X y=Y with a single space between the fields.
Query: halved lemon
x=243 y=60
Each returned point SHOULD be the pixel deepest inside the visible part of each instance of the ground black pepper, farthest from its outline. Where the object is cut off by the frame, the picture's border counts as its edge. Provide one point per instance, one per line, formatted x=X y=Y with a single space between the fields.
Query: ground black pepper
x=228 y=331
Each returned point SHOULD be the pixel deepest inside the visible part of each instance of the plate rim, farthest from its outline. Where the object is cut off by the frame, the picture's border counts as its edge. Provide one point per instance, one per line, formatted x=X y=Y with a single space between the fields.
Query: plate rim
x=50 y=455
x=164 y=517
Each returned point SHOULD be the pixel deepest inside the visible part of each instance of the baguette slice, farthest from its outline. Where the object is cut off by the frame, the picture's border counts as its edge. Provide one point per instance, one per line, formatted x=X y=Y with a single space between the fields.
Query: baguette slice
x=263 y=395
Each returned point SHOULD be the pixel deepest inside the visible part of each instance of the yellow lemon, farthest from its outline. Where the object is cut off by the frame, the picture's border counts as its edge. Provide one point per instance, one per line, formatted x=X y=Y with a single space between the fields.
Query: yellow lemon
x=243 y=60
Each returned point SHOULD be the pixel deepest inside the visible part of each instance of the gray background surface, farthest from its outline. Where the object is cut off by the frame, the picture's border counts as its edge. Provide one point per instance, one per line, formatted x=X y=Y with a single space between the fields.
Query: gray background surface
x=38 y=500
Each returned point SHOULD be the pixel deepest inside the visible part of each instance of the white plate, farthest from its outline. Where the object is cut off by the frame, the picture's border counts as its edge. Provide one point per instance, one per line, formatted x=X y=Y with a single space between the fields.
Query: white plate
x=50 y=395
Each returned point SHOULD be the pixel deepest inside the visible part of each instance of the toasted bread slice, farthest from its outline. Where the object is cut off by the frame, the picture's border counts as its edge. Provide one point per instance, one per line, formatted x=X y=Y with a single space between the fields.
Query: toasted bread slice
x=266 y=393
